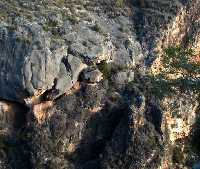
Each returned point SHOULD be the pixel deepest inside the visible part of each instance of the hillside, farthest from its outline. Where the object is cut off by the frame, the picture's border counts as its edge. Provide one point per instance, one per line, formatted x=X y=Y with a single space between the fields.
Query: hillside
x=108 y=84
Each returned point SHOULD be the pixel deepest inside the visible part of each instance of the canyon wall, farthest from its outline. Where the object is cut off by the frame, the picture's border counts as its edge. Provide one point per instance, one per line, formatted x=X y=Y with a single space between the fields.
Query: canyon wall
x=76 y=91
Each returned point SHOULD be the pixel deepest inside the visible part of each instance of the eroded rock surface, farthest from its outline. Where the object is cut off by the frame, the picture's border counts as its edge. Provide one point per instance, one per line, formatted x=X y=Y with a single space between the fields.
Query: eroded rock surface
x=75 y=87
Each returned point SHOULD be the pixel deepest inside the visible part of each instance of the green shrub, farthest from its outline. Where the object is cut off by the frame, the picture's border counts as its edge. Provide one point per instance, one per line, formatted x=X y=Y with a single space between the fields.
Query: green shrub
x=24 y=40
x=176 y=60
x=97 y=28
x=60 y=2
x=120 y=3
x=106 y=69
x=73 y=19
x=124 y=29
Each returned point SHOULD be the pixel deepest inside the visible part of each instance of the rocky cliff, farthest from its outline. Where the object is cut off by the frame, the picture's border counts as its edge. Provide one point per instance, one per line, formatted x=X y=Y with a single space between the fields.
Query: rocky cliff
x=76 y=88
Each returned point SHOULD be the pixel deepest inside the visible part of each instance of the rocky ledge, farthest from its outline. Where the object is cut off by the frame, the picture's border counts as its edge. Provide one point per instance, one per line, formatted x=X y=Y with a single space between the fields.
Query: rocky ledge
x=76 y=90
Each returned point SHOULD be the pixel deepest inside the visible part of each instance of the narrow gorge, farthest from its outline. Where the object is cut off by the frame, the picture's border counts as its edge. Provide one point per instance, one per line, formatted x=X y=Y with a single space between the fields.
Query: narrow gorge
x=108 y=84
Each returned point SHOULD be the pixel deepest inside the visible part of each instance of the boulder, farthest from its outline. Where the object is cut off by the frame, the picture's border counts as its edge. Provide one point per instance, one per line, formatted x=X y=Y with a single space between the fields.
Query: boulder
x=123 y=77
x=28 y=64
x=89 y=45
x=92 y=76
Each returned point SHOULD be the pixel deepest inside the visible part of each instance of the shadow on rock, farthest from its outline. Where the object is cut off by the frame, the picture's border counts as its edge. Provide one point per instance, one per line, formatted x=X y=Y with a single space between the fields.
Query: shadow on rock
x=152 y=18
x=98 y=131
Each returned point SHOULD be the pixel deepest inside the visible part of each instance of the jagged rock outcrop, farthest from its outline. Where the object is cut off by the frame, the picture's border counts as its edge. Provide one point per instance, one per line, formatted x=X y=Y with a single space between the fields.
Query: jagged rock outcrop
x=29 y=65
x=75 y=87
x=33 y=60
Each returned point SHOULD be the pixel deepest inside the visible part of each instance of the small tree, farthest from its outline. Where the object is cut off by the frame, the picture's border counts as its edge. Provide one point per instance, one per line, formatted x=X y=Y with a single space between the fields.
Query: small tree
x=179 y=60
x=184 y=65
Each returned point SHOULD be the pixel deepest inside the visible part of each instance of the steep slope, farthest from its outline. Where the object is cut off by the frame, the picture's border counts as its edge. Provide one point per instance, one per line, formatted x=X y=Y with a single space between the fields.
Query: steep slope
x=76 y=89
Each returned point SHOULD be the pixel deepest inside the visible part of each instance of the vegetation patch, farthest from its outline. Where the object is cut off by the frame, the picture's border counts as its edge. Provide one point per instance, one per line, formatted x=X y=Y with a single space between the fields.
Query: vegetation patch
x=120 y=3
x=180 y=60
x=177 y=156
x=106 y=69
x=72 y=18
x=179 y=63
x=97 y=28
x=124 y=29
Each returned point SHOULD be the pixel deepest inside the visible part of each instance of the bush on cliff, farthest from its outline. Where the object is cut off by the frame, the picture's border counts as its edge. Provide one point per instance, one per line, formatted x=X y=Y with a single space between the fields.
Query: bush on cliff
x=181 y=72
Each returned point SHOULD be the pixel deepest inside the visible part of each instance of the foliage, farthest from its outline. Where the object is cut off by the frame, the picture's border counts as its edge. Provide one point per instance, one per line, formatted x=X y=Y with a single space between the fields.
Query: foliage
x=97 y=28
x=106 y=69
x=49 y=25
x=24 y=40
x=177 y=156
x=179 y=60
x=124 y=29
x=120 y=3
x=60 y=2
x=72 y=18
x=159 y=86
x=109 y=68
x=176 y=60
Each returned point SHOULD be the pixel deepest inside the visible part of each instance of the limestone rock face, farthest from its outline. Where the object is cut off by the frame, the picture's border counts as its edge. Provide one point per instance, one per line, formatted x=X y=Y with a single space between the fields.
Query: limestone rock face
x=32 y=60
x=92 y=76
x=77 y=89
x=27 y=64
